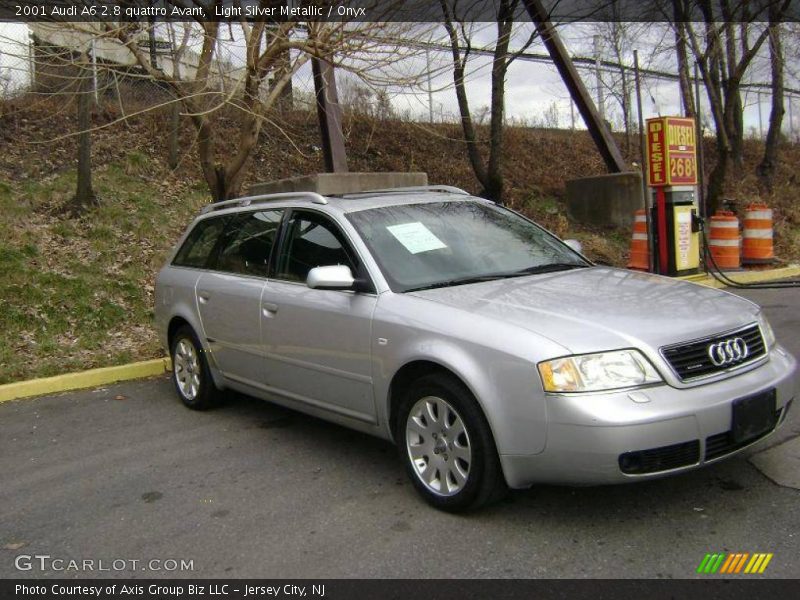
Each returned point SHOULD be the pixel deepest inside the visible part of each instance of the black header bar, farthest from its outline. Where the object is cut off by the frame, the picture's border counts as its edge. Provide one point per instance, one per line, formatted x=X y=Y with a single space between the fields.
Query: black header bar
x=397 y=589
x=561 y=11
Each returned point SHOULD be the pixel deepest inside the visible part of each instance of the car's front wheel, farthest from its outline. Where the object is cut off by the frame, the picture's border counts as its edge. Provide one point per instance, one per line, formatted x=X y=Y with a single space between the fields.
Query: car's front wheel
x=190 y=372
x=447 y=446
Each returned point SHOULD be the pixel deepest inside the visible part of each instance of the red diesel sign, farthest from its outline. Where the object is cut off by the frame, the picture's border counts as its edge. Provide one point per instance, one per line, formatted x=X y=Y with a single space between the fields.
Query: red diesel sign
x=671 y=152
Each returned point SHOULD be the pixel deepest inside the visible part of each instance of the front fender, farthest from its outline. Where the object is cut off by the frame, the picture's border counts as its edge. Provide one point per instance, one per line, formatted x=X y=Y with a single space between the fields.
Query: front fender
x=506 y=385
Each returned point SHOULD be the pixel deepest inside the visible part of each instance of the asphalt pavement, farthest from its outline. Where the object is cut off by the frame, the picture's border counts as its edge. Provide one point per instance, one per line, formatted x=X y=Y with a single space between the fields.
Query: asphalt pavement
x=124 y=475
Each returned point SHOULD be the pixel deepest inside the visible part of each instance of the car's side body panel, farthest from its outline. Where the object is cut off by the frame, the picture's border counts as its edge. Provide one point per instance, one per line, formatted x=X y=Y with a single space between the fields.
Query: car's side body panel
x=230 y=313
x=318 y=346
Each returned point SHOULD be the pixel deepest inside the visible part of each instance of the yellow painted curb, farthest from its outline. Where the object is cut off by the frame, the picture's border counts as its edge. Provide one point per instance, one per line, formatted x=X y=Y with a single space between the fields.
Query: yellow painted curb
x=745 y=276
x=83 y=379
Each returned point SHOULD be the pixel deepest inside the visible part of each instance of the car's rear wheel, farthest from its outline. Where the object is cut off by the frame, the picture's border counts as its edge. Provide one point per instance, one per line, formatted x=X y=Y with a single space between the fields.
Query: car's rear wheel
x=447 y=445
x=190 y=372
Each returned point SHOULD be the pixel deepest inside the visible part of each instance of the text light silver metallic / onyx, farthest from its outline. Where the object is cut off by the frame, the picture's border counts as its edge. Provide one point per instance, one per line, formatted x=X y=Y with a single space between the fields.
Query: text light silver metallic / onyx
x=464 y=333
x=728 y=352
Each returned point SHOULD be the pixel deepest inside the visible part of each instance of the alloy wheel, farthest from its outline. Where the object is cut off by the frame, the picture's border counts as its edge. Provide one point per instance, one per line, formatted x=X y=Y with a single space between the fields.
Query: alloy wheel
x=186 y=369
x=438 y=446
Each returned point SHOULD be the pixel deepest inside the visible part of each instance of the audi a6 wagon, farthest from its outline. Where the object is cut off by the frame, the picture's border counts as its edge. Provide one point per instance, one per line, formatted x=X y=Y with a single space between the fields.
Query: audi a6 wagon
x=492 y=354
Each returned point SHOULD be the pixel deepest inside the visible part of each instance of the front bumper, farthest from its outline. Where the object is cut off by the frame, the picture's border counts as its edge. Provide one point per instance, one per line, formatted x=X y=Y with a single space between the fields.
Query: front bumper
x=587 y=434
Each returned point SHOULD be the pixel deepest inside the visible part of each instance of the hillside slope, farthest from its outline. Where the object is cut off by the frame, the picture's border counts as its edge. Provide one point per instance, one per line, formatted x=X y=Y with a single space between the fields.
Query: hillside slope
x=77 y=293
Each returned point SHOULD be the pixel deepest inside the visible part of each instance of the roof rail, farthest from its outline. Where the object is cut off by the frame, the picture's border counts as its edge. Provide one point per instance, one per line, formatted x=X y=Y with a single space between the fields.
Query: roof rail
x=449 y=189
x=264 y=198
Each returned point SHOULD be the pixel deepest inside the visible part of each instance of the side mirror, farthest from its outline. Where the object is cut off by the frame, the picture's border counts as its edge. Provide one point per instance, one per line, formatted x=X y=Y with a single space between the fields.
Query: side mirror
x=333 y=277
x=575 y=245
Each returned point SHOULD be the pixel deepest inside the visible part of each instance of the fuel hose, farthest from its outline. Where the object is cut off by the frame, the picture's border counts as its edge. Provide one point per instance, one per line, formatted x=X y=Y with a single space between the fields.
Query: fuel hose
x=720 y=275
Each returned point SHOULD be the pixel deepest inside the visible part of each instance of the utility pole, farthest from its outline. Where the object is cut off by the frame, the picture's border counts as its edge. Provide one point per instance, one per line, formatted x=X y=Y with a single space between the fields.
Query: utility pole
x=430 y=86
x=760 y=119
x=32 y=62
x=599 y=79
x=572 y=113
x=643 y=161
x=151 y=35
x=701 y=178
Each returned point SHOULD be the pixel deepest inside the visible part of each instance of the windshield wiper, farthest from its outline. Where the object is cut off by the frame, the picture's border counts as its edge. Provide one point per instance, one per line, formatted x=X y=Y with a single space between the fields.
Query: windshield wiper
x=549 y=268
x=495 y=276
x=461 y=281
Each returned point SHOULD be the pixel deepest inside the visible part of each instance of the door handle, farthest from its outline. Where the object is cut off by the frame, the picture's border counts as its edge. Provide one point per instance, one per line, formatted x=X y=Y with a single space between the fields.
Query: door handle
x=269 y=309
x=203 y=297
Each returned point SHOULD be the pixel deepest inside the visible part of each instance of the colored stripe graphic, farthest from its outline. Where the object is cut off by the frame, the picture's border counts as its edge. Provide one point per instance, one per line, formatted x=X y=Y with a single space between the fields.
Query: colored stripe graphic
x=741 y=562
x=734 y=562
x=703 y=563
x=728 y=566
x=765 y=563
x=718 y=563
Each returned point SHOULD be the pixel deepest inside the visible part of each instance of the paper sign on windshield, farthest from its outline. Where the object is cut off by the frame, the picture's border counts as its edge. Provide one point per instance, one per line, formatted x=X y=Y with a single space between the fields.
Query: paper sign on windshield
x=416 y=237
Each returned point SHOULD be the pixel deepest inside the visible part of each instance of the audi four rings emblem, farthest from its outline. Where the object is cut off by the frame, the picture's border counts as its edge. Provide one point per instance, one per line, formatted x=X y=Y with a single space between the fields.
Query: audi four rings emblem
x=728 y=351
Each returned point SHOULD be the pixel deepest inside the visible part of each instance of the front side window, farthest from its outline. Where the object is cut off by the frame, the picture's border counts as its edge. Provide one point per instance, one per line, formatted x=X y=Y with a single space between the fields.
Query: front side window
x=440 y=244
x=312 y=240
x=247 y=243
x=196 y=250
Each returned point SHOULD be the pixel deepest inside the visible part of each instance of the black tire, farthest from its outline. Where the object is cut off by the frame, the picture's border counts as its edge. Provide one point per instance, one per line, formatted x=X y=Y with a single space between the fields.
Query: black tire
x=483 y=481
x=201 y=394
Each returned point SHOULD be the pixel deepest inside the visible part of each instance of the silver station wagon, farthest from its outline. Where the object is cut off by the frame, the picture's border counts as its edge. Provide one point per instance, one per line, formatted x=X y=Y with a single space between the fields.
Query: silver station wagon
x=491 y=353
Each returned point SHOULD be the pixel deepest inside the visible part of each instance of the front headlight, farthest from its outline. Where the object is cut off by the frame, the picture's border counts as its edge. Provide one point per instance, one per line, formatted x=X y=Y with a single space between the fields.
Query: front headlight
x=766 y=331
x=597 y=372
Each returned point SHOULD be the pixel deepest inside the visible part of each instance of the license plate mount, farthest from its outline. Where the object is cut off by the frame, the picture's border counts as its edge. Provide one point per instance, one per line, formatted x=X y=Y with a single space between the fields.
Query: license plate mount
x=753 y=416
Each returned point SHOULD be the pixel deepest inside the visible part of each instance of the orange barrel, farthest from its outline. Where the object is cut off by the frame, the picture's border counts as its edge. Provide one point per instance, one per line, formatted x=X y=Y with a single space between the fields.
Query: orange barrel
x=640 y=255
x=757 y=246
x=724 y=240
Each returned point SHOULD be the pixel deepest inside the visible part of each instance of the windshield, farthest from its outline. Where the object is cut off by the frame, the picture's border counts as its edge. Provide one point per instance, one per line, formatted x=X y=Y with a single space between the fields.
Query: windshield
x=421 y=246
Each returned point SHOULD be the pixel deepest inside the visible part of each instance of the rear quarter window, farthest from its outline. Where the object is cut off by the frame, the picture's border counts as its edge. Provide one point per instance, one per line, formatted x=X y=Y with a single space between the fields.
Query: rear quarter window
x=197 y=248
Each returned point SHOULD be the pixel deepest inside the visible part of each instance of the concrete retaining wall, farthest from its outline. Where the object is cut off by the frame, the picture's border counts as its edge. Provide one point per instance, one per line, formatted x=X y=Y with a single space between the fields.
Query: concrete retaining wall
x=605 y=200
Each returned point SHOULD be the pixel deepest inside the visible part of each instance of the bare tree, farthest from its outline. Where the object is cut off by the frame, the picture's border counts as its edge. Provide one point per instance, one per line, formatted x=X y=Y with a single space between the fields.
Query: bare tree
x=489 y=173
x=766 y=169
x=684 y=77
x=724 y=51
x=233 y=71
x=178 y=50
x=84 y=195
x=619 y=37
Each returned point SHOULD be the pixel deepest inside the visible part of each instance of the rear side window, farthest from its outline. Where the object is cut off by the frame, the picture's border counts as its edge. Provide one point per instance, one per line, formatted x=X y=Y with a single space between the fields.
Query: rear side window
x=247 y=243
x=197 y=248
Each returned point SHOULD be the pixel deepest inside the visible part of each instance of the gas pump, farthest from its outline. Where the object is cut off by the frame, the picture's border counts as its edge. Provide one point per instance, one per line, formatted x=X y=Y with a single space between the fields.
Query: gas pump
x=673 y=222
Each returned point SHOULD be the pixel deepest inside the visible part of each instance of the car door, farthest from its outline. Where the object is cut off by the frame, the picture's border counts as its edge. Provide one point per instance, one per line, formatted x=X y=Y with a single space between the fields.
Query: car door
x=229 y=295
x=318 y=341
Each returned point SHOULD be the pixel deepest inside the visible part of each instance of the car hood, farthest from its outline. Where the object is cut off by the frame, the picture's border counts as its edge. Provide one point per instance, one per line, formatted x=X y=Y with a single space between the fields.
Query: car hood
x=601 y=308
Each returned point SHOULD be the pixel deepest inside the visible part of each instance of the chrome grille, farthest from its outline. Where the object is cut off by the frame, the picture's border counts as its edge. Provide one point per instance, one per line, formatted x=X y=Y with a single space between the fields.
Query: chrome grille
x=691 y=360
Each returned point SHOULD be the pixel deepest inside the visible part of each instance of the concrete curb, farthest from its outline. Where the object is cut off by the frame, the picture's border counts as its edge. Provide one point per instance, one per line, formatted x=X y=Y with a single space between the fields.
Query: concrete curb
x=746 y=276
x=83 y=379
x=149 y=368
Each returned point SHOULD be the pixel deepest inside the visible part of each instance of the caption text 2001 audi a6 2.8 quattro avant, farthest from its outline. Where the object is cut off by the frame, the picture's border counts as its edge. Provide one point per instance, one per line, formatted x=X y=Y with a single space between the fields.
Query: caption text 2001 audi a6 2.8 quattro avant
x=492 y=353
